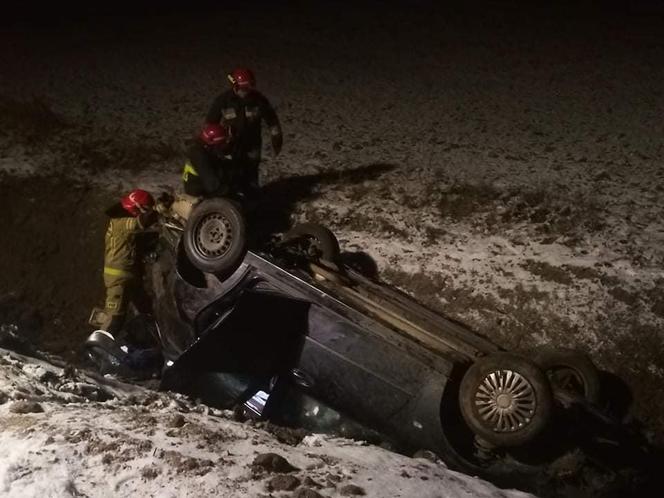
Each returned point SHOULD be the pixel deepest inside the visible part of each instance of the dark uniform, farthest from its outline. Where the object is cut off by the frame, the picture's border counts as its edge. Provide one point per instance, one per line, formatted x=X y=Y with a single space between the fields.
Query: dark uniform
x=244 y=116
x=205 y=174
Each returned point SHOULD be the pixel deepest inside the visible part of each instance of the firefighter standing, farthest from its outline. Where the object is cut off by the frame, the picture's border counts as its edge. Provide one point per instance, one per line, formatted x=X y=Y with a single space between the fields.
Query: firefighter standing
x=210 y=169
x=244 y=108
x=122 y=277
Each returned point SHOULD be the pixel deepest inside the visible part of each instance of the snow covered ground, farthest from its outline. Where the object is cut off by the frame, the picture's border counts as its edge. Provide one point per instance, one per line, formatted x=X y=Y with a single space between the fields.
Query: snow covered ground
x=67 y=434
x=504 y=166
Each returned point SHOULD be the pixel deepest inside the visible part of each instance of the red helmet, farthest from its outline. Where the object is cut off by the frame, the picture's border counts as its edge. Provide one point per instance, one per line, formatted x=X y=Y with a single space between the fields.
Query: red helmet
x=242 y=78
x=215 y=134
x=137 y=200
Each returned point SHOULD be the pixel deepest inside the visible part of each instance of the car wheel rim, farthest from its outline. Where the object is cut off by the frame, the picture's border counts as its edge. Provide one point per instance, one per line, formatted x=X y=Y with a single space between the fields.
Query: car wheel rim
x=214 y=235
x=505 y=401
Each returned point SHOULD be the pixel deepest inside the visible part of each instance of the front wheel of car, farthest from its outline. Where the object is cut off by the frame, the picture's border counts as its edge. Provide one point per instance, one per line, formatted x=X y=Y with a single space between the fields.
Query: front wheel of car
x=215 y=236
x=316 y=240
x=570 y=371
x=505 y=399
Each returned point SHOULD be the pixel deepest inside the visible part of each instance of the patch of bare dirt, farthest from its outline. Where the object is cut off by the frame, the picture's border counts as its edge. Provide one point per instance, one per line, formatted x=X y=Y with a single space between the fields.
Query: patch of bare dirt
x=30 y=122
x=548 y=271
x=286 y=435
x=186 y=465
x=282 y=483
x=35 y=125
x=52 y=256
x=656 y=296
x=520 y=321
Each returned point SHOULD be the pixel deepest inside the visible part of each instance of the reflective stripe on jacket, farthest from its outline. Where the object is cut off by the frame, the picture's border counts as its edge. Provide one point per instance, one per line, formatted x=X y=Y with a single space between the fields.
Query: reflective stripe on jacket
x=188 y=170
x=116 y=272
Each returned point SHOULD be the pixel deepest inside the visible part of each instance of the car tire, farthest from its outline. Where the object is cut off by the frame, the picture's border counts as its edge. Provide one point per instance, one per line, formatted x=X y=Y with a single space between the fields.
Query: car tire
x=505 y=399
x=215 y=236
x=321 y=238
x=571 y=371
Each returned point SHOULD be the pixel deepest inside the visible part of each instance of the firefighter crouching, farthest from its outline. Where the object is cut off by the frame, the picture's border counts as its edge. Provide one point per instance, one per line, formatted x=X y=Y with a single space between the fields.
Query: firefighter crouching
x=128 y=219
x=210 y=169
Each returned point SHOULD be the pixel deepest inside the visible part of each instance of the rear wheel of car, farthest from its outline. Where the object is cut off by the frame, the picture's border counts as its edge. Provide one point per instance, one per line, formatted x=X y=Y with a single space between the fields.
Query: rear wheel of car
x=505 y=399
x=215 y=236
x=318 y=241
x=570 y=371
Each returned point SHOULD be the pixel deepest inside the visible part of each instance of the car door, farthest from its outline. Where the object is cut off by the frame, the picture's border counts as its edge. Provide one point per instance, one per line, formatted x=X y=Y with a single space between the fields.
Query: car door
x=259 y=338
x=354 y=371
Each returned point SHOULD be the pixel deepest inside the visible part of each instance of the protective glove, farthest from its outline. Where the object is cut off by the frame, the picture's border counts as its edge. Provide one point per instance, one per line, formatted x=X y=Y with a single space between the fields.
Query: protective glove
x=148 y=218
x=166 y=199
x=164 y=203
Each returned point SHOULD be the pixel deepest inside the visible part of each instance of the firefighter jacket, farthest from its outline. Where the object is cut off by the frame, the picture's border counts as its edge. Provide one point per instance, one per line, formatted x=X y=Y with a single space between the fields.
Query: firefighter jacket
x=205 y=172
x=244 y=116
x=120 y=245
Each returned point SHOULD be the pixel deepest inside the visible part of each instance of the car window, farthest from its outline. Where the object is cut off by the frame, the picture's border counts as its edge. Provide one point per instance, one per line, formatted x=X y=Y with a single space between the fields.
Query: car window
x=262 y=334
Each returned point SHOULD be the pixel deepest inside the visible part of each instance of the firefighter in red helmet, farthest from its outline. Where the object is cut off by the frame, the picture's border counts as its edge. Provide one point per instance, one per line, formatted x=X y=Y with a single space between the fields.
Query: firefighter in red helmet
x=122 y=256
x=244 y=108
x=210 y=169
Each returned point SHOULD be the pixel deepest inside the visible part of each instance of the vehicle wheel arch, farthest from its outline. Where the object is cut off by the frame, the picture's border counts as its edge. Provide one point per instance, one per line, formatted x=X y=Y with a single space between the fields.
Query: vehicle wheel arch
x=325 y=240
x=586 y=375
x=186 y=270
x=458 y=436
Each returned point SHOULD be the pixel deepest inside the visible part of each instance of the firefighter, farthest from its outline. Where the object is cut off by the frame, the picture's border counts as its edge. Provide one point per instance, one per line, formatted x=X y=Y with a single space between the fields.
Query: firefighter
x=244 y=108
x=210 y=169
x=122 y=273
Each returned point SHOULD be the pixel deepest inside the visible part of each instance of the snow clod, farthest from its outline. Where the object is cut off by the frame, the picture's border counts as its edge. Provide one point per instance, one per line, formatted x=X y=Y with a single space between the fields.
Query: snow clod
x=272 y=462
x=26 y=407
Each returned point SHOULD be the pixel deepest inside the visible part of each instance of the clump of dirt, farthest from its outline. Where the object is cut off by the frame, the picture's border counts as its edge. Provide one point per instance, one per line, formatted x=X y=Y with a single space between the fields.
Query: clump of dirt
x=283 y=482
x=150 y=472
x=23 y=406
x=583 y=272
x=304 y=492
x=271 y=462
x=499 y=207
x=429 y=287
x=182 y=464
x=548 y=271
x=656 y=295
x=352 y=490
x=462 y=200
x=52 y=255
x=286 y=435
x=78 y=436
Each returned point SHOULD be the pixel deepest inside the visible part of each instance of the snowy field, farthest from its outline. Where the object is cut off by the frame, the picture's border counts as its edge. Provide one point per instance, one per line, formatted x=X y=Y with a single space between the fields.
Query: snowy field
x=504 y=167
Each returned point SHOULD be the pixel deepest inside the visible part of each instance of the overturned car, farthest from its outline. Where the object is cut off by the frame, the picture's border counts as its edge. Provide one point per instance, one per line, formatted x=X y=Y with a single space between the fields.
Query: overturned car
x=290 y=334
